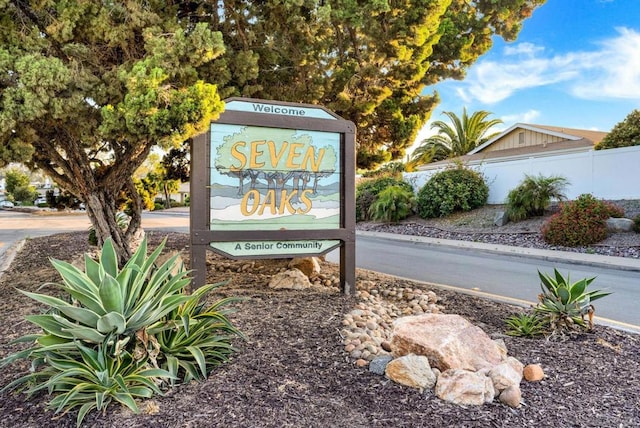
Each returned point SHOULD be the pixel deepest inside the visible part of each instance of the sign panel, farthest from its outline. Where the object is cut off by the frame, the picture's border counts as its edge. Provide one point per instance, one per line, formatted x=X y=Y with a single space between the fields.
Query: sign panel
x=287 y=110
x=274 y=179
x=275 y=248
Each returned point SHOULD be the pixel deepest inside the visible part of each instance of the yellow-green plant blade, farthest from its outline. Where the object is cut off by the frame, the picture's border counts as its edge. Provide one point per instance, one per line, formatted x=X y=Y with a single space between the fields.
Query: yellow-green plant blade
x=198 y=355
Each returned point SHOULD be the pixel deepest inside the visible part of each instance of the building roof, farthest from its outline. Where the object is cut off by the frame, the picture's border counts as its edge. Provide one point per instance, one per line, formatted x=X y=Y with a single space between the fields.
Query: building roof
x=569 y=134
x=575 y=140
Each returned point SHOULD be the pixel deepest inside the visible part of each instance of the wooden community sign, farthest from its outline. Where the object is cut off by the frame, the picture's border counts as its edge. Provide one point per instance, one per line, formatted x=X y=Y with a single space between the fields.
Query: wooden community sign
x=274 y=180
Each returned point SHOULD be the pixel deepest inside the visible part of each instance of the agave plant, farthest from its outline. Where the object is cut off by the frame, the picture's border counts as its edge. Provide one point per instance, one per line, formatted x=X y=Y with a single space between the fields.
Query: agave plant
x=100 y=345
x=93 y=378
x=564 y=302
x=524 y=324
x=196 y=337
x=105 y=299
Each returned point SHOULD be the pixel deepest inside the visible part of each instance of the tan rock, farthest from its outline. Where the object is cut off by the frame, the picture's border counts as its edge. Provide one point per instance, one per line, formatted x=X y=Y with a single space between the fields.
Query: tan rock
x=533 y=373
x=307 y=265
x=449 y=341
x=464 y=387
x=511 y=396
x=292 y=279
x=361 y=362
x=504 y=375
x=411 y=370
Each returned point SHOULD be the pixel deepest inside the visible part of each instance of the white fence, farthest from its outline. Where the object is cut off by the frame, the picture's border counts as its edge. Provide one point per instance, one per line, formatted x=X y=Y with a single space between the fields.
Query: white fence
x=606 y=174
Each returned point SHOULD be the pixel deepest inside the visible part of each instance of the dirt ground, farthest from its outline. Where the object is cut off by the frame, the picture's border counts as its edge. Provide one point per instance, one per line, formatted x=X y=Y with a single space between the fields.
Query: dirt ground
x=292 y=370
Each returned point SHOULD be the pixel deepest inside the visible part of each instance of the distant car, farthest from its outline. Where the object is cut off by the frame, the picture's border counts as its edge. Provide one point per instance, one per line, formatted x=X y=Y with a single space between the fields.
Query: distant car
x=40 y=201
x=6 y=204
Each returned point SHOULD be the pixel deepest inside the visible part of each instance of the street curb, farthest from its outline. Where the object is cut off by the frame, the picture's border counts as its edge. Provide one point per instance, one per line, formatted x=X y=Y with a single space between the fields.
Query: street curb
x=9 y=255
x=620 y=263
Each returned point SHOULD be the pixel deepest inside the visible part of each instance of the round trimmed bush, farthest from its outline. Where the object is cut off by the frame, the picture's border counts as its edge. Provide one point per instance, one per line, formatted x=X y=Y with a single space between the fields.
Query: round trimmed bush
x=580 y=222
x=367 y=194
x=458 y=189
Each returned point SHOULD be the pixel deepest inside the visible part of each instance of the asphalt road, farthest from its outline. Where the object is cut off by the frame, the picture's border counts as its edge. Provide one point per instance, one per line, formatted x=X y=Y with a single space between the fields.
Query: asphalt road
x=16 y=226
x=502 y=277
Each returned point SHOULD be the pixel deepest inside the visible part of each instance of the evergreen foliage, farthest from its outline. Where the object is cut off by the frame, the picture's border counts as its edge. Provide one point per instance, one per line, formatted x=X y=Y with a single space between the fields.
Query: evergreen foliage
x=624 y=134
x=367 y=193
x=451 y=190
x=393 y=204
x=533 y=195
x=580 y=222
x=456 y=139
x=88 y=88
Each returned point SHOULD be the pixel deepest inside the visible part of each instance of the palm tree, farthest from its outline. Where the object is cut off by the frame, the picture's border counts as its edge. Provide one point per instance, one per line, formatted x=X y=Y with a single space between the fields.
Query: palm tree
x=457 y=139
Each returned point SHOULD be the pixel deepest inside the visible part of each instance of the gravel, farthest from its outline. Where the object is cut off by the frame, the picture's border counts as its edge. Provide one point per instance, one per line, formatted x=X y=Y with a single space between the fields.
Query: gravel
x=477 y=226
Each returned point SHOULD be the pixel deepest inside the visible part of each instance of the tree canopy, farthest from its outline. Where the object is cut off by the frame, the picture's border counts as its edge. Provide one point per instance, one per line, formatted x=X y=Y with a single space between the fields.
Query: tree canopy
x=456 y=139
x=369 y=61
x=624 y=134
x=88 y=88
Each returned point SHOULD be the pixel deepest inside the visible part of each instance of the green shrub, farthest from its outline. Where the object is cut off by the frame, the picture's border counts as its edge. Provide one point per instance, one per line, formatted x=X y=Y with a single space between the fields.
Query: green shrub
x=121 y=333
x=580 y=222
x=451 y=190
x=195 y=338
x=367 y=193
x=392 y=205
x=565 y=304
x=623 y=134
x=636 y=224
x=533 y=196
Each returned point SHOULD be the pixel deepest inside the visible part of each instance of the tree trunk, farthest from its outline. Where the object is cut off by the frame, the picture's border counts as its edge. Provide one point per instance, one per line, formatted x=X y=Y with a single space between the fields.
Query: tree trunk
x=167 y=195
x=102 y=213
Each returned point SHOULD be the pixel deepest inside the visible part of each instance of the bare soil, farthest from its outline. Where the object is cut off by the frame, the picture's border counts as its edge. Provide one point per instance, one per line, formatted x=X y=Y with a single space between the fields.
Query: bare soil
x=291 y=371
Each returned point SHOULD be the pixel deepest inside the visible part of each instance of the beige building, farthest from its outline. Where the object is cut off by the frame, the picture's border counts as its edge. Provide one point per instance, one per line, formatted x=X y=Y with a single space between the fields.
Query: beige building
x=524 y=140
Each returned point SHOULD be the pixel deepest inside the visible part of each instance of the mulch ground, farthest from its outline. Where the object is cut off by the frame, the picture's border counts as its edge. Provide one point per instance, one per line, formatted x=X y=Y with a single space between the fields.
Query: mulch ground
x=292 y=371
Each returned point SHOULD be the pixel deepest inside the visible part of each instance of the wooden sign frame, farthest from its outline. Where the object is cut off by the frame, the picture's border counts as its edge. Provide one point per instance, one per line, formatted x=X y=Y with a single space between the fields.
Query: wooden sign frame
x=267 y=115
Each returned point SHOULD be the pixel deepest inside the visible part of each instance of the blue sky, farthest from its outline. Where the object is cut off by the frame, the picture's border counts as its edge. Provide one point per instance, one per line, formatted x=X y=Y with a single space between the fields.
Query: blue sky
x=576 y=63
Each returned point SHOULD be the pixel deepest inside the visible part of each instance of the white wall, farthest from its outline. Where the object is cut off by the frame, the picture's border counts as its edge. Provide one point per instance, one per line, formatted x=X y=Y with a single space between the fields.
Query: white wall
x=606 y=174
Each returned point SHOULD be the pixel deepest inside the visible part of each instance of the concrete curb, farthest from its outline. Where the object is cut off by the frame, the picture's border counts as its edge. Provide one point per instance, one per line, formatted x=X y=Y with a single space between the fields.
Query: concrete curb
x=9 y=255
x=621 y=263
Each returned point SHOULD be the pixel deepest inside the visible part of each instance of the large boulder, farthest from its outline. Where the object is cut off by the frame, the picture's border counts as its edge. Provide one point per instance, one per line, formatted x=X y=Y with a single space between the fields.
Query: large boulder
x=619 y=224
x=464 y=387
x=448 y=341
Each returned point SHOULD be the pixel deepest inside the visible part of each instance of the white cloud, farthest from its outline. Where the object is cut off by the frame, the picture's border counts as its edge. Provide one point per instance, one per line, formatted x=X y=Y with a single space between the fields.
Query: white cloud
x=523 y=49
x=528 y=116
x=612 y=71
